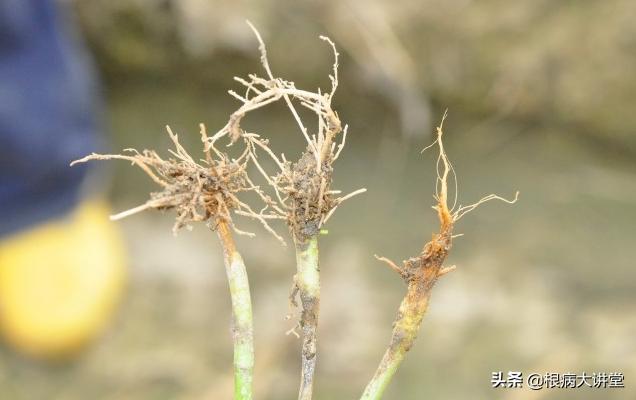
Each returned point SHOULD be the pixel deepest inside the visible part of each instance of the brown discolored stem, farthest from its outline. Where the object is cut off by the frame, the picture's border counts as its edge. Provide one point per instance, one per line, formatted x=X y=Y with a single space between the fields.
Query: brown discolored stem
x=307 y=283
x=420 y=274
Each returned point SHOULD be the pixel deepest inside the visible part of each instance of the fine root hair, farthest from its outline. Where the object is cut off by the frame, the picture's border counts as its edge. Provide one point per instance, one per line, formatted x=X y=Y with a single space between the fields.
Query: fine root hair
x=207 y=190
x=302 y=189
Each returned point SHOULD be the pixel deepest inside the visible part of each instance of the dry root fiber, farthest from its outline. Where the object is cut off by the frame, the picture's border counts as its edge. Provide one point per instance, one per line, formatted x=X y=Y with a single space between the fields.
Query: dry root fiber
x=301 y=189
x=421 y=273
x=207 y=191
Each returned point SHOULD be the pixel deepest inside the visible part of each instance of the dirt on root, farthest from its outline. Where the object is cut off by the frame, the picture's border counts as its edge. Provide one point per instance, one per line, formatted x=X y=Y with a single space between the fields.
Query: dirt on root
x=310 y=196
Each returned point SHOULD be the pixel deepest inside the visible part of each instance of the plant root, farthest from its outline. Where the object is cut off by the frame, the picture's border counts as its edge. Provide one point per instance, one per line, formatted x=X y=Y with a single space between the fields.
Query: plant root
x=198 y=192
x=421 y=273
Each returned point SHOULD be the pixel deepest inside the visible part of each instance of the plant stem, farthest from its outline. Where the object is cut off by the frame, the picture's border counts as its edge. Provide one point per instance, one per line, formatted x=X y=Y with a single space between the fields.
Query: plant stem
x=421 y=274
x=307 y=283
x=405 y=331
x=242 y=327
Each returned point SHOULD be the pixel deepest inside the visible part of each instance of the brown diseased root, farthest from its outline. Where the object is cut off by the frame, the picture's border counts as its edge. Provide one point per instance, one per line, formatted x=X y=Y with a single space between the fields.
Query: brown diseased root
x=434 y=252
x=421 y=273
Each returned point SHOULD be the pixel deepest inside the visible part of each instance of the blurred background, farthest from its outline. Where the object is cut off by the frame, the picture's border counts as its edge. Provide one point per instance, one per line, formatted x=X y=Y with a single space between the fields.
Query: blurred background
x=541 y=98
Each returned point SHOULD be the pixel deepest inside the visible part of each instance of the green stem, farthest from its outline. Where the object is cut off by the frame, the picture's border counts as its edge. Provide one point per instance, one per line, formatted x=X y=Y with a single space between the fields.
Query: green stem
x=405 y=329
x=242 y=327
x=308 y=285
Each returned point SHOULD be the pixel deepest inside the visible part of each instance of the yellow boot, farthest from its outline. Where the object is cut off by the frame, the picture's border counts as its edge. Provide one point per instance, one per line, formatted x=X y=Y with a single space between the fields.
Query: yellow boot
x=60 y=282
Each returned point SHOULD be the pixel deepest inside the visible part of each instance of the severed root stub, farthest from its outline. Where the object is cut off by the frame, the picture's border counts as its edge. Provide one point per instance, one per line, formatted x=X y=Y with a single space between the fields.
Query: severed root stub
x=422 y=272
